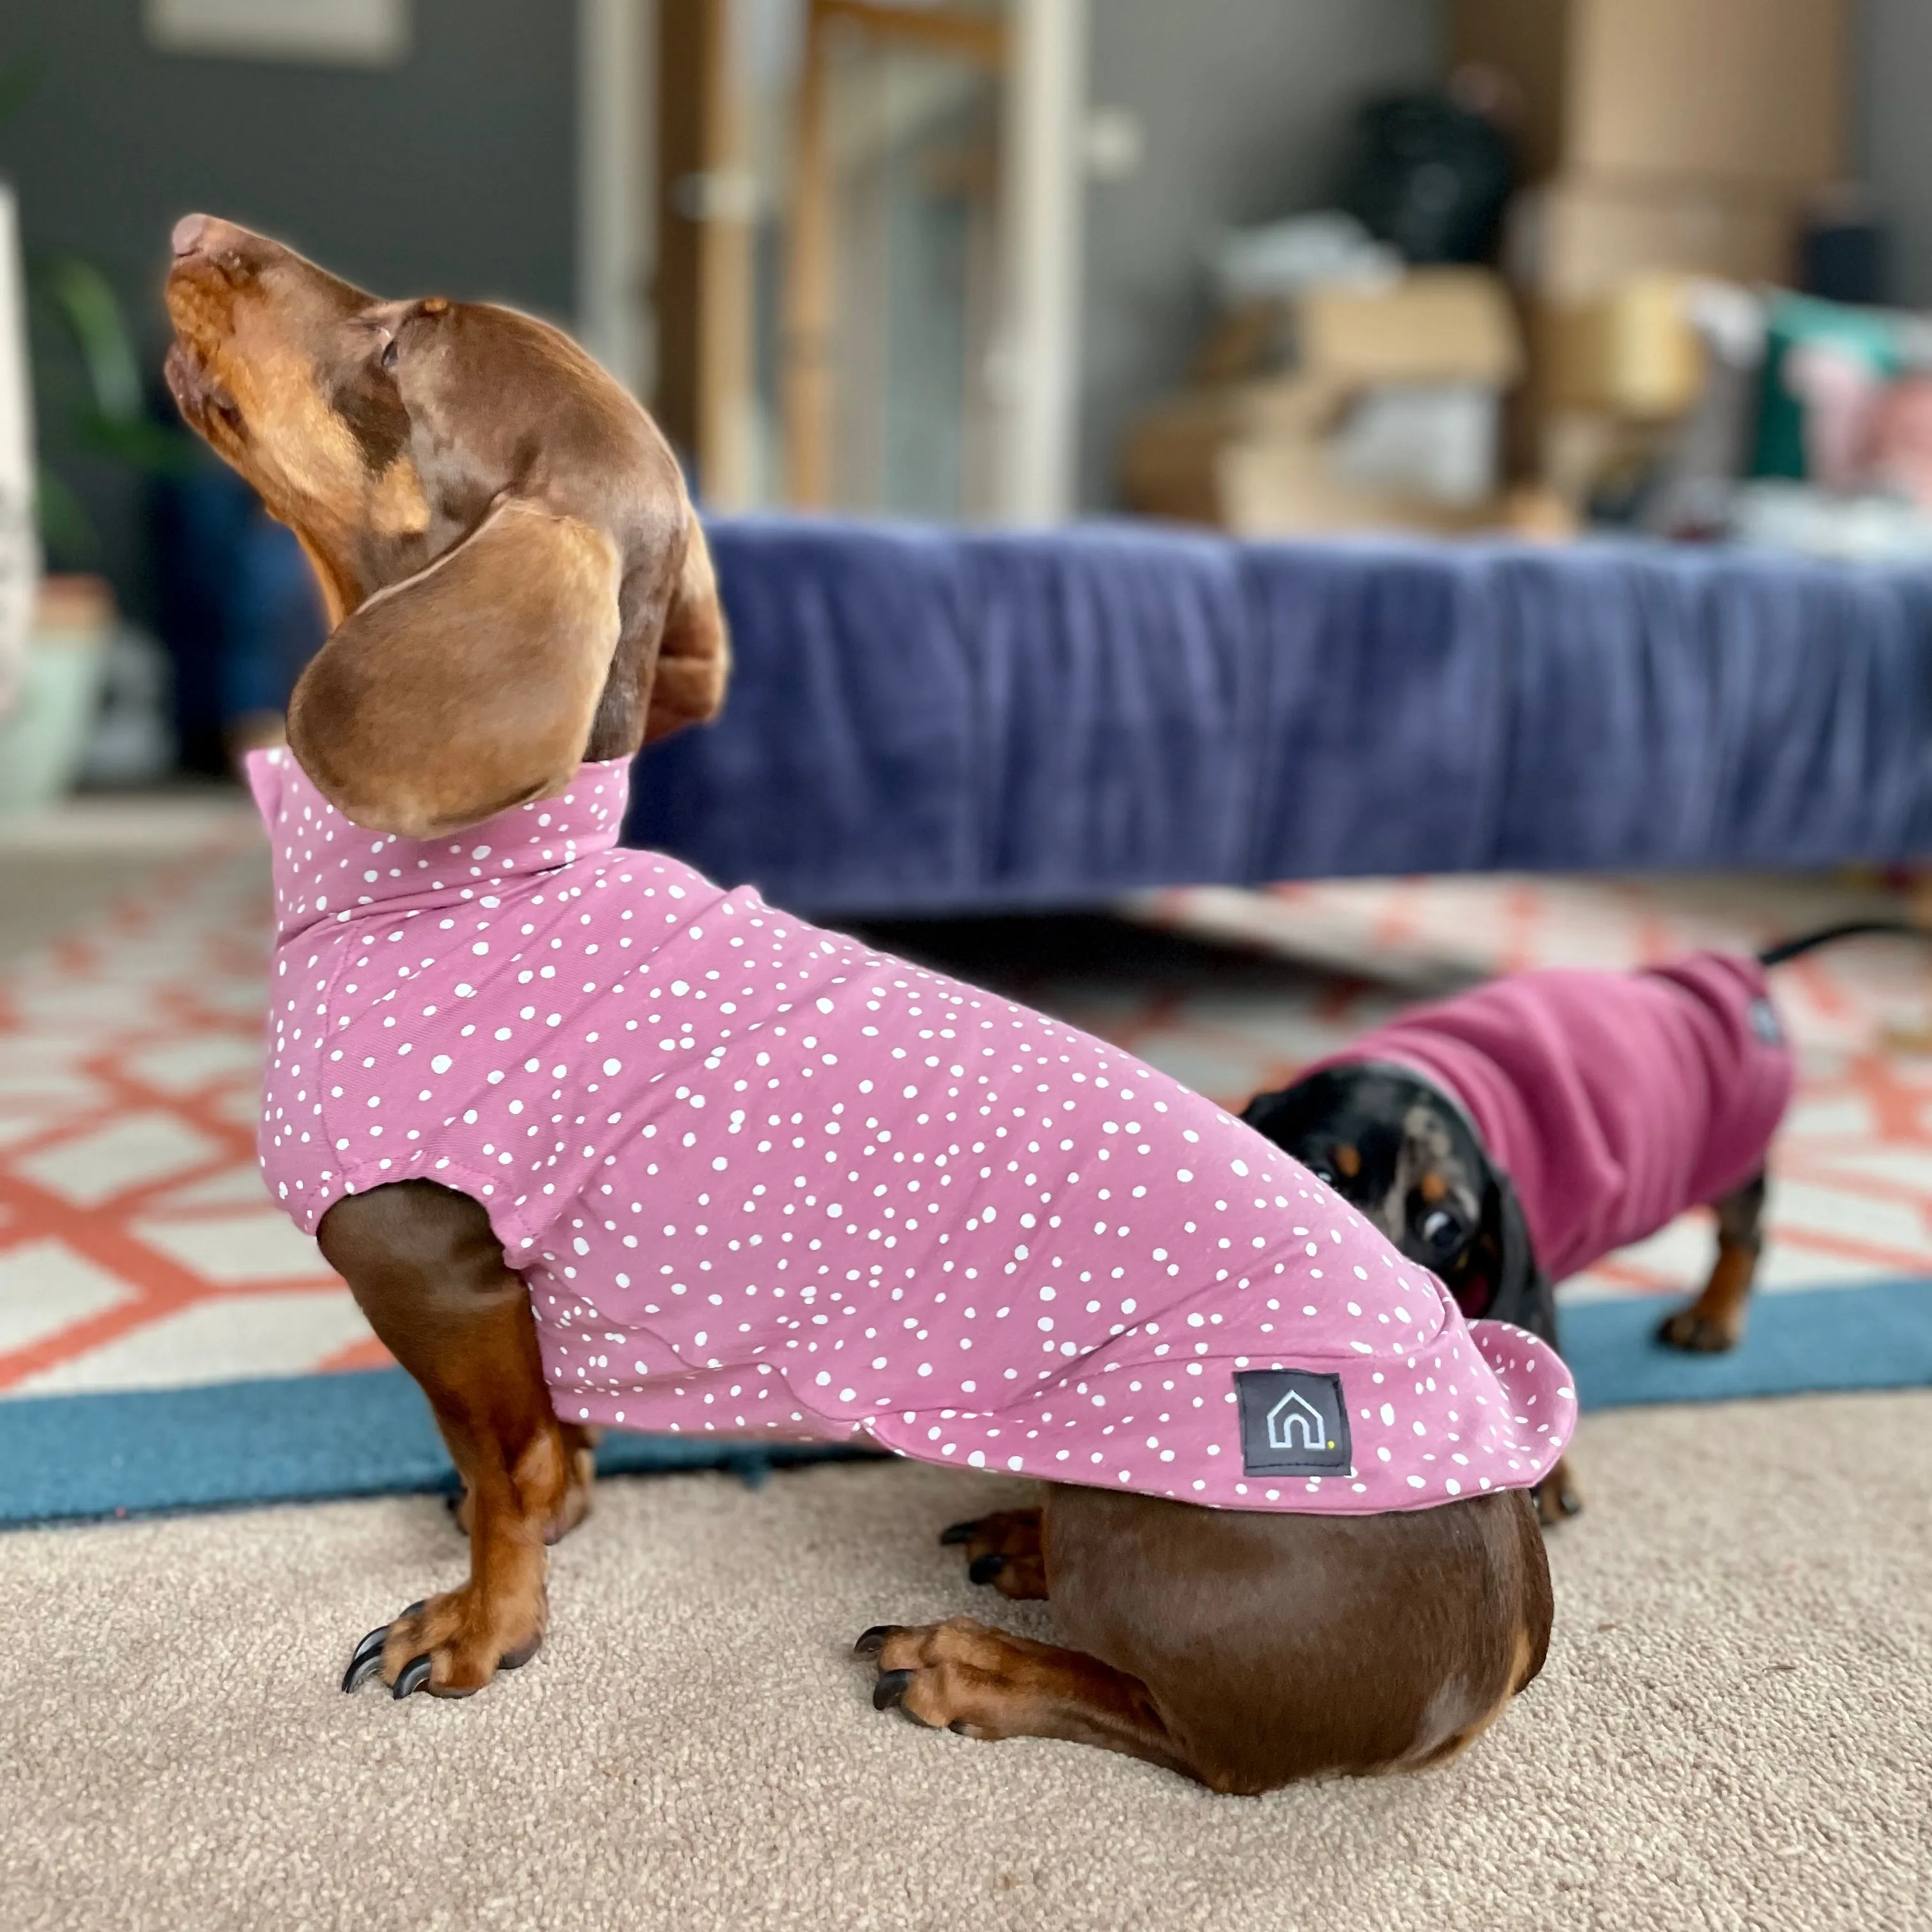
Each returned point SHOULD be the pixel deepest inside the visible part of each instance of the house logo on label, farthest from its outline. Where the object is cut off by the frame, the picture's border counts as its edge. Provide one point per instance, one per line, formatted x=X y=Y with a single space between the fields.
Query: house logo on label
x=1294 y=1423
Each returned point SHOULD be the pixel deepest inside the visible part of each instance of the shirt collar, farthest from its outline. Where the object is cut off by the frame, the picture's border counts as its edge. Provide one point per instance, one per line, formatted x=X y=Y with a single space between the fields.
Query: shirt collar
x=327 y=867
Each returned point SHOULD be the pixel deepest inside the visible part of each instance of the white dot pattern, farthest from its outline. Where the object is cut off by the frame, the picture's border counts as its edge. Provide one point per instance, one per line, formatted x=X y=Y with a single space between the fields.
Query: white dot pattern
x=761 y=1179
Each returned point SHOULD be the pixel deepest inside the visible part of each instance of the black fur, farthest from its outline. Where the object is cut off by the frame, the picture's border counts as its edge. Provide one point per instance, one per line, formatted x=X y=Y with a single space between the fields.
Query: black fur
x=1418 y=1164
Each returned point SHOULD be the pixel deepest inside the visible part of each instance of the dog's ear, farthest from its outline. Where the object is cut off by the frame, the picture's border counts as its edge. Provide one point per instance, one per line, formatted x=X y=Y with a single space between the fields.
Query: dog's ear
x=1284 y=1114
x=1500 y=1278
x=469 y=687
x=694 y=659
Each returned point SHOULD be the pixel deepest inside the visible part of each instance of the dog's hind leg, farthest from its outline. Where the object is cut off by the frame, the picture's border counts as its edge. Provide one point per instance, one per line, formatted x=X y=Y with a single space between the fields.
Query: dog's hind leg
x=431 y=1276
x=1246 y=1649
x=959 y=1675
x=1003 y=1550
x=1715 y=1321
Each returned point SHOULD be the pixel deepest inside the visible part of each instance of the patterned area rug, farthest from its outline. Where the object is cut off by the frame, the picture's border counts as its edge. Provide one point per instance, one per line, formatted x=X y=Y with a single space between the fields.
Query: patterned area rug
x=168 y=1338
x=138 y=1248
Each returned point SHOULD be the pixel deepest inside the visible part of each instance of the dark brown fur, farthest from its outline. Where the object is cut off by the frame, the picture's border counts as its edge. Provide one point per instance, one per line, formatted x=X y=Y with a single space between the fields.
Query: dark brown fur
x=517 y=582
x=1245 y=1649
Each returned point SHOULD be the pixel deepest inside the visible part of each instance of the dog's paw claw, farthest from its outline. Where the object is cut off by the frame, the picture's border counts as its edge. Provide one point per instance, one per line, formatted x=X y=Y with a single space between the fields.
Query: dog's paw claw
x=871 y=1642
x=414 y=1675
x=984 y=1568
x=366 y=1660
x=890 y=1690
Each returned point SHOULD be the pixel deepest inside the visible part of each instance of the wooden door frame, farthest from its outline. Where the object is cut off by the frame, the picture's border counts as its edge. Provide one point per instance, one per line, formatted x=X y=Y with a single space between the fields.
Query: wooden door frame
x=622 y=190
x=701 y=274
x=615 y=118
x=1039 y=48
x=1046 y=234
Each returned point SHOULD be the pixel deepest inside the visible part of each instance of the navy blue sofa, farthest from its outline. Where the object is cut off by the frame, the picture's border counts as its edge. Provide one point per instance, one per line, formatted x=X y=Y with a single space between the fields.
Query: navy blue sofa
x=939 y=721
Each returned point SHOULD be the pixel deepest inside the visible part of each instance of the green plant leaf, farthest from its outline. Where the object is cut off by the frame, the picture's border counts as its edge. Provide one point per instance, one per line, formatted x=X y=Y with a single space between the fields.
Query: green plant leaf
x=67 y=531
x=84 y=300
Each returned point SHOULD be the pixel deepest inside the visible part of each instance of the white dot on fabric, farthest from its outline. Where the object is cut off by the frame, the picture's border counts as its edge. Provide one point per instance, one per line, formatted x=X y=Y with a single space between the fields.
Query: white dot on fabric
x=816 y=1189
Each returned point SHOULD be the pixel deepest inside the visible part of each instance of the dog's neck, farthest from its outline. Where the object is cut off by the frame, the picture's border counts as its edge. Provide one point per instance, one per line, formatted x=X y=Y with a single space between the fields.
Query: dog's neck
x=327 y=867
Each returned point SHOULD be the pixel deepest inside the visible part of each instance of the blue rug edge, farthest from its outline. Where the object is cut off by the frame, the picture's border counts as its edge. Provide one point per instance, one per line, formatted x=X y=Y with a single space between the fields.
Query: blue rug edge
x=1819 y=1341
x=314 y=1438
x=301 y=1439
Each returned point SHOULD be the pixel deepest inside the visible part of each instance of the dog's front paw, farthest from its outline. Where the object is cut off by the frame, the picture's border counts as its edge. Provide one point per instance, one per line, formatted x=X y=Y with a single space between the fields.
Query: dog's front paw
x=450 y=1646
x=1699 y=1333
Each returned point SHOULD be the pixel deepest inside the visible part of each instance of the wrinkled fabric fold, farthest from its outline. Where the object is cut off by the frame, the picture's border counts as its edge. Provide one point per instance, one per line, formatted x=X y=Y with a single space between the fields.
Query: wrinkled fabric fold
x=927 y=721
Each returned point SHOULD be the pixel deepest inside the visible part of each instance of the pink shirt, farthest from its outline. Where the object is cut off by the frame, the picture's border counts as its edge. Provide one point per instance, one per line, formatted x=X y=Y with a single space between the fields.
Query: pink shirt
x=1613 y=1101
x=761 y=1178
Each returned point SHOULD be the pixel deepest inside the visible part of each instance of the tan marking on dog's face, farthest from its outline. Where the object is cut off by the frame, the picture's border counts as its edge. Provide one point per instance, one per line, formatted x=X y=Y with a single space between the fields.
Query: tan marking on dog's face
x=270 y=421
x=1348 y=1160
x=277 y=365
x=1433 y=1187
x=299 y=453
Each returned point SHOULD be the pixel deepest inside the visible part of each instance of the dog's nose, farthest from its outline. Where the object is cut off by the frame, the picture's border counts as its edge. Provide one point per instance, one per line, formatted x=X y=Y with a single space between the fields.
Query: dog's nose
x=189 y=232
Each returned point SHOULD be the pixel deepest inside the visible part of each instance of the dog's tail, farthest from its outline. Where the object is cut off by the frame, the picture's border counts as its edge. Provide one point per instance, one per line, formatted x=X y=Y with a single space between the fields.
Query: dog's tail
x=1856 y=928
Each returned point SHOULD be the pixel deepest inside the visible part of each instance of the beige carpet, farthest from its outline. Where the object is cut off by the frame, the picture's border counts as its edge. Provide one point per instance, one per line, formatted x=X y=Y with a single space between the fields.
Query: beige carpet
x=1734 y=1728
x=57 y=866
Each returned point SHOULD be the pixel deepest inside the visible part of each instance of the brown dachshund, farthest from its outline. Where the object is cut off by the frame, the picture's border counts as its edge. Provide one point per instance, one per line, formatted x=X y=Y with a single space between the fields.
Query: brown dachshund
x=517 y=584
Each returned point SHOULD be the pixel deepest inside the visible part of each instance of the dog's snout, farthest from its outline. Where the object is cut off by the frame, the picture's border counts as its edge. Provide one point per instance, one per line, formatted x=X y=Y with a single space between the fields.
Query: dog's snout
x=208 y=238
x=190 y=233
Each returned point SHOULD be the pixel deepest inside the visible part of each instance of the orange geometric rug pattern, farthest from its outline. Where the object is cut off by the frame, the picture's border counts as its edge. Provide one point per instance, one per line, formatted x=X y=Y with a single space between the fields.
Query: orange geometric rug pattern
x=138 y=1248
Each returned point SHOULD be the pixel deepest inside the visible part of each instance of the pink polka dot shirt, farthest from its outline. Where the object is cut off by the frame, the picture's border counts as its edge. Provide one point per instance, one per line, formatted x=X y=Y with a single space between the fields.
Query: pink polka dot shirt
x=763 y=1180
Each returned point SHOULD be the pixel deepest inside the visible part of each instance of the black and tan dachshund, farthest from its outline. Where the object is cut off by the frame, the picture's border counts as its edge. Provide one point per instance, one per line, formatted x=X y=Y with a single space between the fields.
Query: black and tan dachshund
x=1437 y=1127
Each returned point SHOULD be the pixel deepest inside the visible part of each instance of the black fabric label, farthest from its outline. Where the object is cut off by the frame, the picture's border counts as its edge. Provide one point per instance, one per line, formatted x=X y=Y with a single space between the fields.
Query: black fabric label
x=1293 y=1423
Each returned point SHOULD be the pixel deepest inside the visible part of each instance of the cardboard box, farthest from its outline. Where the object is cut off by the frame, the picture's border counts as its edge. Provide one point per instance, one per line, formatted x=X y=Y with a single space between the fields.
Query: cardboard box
x=1632 y=353
x=1293 y=489
x=1273 y=456
x=1257 y=459
x=1746 y=91
x=1577 y=240
x=1434 y=326
x=1171 y=462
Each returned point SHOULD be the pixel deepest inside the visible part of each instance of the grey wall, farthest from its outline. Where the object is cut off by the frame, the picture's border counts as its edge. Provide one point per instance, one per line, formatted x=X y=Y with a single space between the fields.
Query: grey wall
x=455 y=171
x=1892 y=135
x=1245 y=104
